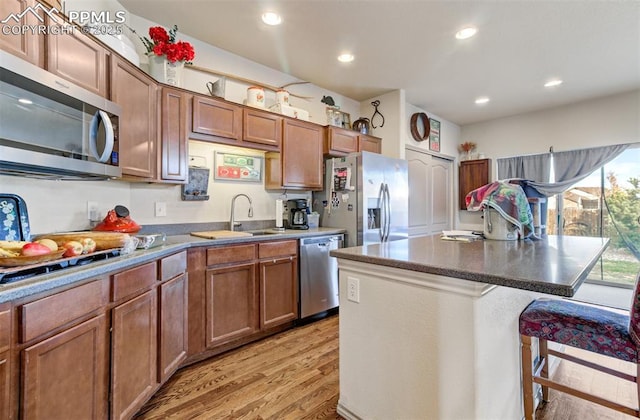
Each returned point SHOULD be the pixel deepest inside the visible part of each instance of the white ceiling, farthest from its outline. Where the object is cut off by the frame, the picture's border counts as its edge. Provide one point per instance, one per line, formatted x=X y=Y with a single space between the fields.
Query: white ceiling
x=594 y=46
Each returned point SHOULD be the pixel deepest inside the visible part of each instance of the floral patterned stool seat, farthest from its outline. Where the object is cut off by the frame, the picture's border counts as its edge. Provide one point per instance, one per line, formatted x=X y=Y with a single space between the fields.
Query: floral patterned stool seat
x=588 y=327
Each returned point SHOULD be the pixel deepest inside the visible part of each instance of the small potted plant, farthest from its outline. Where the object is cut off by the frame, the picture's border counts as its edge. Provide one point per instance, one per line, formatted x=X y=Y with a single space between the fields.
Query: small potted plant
x=166 y=55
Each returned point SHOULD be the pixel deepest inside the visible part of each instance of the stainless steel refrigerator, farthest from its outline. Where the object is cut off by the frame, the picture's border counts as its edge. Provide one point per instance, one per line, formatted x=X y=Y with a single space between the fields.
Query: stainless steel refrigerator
x=366 y=194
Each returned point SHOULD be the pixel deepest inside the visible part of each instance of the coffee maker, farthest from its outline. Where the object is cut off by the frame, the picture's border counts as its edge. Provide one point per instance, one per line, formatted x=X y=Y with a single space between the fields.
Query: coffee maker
x=297 y=214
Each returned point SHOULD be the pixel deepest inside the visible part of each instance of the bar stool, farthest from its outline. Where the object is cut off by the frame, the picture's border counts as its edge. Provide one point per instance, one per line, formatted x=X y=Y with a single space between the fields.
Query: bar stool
x=589 y=327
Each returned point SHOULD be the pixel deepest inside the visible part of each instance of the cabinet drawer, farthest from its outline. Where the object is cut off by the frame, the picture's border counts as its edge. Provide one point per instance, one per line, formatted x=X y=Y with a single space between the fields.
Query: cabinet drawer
x=229 y=254
x=5 y=327
x=54 y=311
x=130 y=281
x=279 y=248
x=173 y=266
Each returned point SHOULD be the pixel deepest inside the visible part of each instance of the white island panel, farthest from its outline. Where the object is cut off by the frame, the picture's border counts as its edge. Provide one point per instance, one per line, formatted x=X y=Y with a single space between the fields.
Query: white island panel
x=424 y=346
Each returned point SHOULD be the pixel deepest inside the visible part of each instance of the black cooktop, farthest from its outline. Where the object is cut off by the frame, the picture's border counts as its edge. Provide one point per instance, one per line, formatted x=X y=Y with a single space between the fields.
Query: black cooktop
x=14 y=274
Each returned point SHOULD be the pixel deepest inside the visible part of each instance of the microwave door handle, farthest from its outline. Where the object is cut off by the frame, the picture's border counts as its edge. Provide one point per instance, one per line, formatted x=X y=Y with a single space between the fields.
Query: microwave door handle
x=93 y=136
x=382 y=215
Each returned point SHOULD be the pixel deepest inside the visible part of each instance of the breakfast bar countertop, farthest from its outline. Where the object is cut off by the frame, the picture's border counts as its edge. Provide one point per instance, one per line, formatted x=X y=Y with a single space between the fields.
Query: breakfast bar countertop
x=555 y=265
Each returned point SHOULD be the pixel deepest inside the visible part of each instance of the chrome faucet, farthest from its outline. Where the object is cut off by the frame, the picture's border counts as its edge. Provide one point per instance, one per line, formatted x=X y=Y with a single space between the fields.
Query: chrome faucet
x=232 y=222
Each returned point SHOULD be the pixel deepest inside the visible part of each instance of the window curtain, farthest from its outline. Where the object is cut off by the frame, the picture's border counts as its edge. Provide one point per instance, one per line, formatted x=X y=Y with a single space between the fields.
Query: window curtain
x=533 y=167
x=569 y=167
x=575 y=165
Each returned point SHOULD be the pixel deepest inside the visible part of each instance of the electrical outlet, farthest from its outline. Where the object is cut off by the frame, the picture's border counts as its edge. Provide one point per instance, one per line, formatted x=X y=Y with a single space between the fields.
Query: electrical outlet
x=92 y=210
x=353 y=289
x=161 y=209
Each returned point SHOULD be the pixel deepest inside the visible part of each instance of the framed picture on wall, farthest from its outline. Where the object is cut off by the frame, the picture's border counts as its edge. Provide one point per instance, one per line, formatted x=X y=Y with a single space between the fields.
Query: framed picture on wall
x=434 y=135
x=231 y=167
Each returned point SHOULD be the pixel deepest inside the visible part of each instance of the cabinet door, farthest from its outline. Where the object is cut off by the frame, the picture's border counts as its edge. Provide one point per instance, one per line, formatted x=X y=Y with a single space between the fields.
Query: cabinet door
x=25 y=44
x=473 y=174
x=369 y=144
x=215 y=120
x=5 y=398
x=261 y=130
x=66 y=376
x=5 y=341
x=133 y=354
x=173 y=332
x=231 y=303
x=136 y=93
x=301 y=156
x=341 y=141
x=79 y=59
x=173 y=152
x=278 y=291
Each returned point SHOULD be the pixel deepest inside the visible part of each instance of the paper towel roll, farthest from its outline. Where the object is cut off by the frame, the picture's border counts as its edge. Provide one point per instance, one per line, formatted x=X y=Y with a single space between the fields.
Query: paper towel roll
x=279 y=213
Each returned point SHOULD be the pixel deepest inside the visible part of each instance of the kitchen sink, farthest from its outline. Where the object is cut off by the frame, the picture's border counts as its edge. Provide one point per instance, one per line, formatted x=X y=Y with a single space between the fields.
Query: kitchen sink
x=264 y=232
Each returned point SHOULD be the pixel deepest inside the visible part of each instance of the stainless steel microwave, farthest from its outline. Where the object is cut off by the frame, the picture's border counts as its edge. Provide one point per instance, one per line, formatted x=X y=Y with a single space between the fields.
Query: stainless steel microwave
x=53 y=129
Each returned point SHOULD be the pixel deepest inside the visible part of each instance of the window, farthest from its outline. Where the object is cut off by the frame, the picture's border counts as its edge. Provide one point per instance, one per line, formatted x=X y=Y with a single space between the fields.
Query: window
x=605 y=204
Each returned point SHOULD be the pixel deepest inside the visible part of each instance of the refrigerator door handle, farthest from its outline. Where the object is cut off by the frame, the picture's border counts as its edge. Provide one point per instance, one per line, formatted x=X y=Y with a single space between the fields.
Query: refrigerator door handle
x=381 y=206
x=387 y=212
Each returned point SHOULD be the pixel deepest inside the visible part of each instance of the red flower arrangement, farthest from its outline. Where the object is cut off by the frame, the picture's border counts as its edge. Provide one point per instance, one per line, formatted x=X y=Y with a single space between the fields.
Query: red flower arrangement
x=164 y=43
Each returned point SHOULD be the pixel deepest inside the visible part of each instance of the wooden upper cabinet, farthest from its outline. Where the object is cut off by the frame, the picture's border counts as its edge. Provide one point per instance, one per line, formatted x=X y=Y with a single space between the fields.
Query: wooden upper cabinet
x=136 y=93
x=216 y=120
x=261 y=130
x=299 y=164
x=174 y=142
x=26 y=44
x=79 y=59
x=368 y=143
x=473 y=174
x=340 y=141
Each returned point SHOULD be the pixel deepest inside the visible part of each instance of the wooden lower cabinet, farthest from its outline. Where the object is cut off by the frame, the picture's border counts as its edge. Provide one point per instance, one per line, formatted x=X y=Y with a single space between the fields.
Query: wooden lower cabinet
x=5 y=372
x=66 y=375
x=5 y=396
x=278 y=291
x=231 y=303
x=133 y=352
x=172 y=326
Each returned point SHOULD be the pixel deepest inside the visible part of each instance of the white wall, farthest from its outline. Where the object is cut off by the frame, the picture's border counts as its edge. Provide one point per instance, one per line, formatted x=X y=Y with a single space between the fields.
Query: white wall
x=609 y=120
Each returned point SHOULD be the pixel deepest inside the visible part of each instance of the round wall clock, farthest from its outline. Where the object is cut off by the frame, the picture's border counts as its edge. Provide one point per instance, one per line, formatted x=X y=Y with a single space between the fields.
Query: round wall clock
x=420 y=126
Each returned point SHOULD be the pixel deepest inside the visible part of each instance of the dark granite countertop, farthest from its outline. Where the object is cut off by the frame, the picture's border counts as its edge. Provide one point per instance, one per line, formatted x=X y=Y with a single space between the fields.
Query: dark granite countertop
x=175 y=243
x=555 y=264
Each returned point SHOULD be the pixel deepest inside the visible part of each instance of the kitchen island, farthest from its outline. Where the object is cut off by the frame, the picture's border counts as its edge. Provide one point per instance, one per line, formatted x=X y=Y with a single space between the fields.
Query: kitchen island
x=429 y=328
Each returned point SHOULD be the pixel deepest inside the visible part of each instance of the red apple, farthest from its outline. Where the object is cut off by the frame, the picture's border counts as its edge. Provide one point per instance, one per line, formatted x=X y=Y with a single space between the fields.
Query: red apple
x=88 y=245
x=72 y=249
x=33 y=248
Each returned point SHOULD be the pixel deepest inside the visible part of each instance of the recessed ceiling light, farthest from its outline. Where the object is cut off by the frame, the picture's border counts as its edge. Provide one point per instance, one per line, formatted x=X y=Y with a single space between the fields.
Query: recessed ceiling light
x=346 y=58
x=25 y=101
x=482 y=101
x=271 y=18
x=552 y=83
x=467 y=32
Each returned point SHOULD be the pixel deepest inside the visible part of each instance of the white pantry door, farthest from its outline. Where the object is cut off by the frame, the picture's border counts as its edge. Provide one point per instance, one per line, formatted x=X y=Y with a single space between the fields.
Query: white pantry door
x=430 y=192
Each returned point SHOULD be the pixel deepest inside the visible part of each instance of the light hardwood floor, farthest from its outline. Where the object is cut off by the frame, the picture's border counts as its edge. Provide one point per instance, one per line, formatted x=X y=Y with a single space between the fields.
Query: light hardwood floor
x=294 y=375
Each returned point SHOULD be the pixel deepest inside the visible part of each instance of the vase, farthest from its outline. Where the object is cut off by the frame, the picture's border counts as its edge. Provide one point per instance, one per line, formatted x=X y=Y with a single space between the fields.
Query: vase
x=165 y=71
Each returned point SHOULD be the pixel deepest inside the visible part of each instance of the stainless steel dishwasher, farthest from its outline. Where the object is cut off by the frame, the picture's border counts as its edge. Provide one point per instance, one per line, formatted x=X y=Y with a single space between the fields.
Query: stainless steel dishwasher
x=318 y=274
